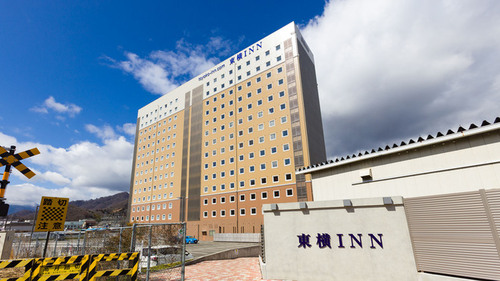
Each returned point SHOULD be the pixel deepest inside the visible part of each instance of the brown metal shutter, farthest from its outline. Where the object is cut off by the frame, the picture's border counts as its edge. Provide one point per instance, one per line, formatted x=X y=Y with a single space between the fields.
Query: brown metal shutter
x=456 y=234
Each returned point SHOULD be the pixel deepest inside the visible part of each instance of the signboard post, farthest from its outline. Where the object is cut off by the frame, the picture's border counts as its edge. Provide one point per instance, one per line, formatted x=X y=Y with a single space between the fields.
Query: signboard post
x=51 y=216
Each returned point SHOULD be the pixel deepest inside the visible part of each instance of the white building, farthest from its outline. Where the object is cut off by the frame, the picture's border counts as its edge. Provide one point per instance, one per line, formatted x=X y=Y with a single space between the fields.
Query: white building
x=465 y=160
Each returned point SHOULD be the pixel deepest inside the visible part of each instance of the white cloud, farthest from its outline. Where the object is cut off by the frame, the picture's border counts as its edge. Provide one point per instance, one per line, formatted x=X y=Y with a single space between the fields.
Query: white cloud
x=104 y=132
x=51 y=104
x=82 y=171
x=127 y=128
x=388 y=71
x=163 y=71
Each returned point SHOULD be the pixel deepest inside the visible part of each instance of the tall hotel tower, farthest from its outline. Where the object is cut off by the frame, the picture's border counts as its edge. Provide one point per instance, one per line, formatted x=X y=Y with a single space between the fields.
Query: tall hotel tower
x=215 y=149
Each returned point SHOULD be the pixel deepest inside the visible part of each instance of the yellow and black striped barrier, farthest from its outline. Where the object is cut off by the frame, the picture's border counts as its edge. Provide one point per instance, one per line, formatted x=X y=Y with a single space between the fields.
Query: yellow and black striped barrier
x=132 y=272
x=82 y=268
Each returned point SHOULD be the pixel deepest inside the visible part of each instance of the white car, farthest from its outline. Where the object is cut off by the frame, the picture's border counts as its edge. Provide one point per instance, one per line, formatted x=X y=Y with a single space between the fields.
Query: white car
x=163 y=255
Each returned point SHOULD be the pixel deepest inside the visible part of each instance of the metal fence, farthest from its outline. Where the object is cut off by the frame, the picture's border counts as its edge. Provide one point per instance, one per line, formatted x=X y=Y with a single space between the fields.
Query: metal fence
x=161 y=247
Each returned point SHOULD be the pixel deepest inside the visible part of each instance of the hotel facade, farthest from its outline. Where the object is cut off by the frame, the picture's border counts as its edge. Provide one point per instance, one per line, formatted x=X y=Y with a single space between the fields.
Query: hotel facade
x=216 y=148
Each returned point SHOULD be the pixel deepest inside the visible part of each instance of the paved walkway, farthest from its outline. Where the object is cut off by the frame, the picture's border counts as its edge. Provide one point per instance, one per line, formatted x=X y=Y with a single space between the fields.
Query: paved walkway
x=241 y=269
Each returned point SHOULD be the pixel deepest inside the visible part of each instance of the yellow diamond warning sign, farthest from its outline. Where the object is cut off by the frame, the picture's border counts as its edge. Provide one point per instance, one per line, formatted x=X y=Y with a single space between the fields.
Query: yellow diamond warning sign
x=51 y=214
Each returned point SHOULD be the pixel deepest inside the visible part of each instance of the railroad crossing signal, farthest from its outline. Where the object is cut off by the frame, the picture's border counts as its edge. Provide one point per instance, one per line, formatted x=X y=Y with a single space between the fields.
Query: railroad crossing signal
x=52 y=214
x=8 y=159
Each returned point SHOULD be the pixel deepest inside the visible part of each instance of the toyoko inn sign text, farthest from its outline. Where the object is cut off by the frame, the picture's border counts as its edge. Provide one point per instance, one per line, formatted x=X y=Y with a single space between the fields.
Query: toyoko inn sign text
x=243 y=54
x=324 y=240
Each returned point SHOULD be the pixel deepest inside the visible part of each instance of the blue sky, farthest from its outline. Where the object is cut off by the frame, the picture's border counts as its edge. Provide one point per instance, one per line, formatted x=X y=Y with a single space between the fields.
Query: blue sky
x=74 y=73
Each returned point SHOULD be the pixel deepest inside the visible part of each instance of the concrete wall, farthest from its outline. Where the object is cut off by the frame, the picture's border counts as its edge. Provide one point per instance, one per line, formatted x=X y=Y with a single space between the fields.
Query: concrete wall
x=6 y=240
x=286 y=259
x=237 y=237
x=465 y=164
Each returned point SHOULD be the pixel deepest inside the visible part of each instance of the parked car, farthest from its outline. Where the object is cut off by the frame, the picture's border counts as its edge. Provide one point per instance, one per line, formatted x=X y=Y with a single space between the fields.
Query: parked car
x=164 y=254
x=191 y=240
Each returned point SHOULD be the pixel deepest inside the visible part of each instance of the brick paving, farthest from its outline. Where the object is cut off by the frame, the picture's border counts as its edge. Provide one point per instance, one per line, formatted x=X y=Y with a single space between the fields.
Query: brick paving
x=241 y=269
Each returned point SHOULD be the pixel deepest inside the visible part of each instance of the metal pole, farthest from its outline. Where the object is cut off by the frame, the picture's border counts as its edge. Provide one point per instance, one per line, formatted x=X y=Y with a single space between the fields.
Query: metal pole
x=36 y=248
x=46 y=244
x=132 y=238
x=149 y=251
x=120 y=241
x=183 y=257
x=78 y=243
x=84 y=242
x=33 y=225
x=55 y=246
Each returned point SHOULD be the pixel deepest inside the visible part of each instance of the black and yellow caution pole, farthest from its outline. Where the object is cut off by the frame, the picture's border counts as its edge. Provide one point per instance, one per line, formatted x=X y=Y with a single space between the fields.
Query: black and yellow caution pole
x=4 y=208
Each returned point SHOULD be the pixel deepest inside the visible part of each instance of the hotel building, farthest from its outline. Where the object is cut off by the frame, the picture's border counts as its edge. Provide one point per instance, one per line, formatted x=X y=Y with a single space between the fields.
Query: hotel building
x=216 y=148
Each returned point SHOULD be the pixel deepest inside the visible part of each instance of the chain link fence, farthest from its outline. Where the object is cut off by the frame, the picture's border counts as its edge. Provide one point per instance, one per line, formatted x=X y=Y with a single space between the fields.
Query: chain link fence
x=161 y=248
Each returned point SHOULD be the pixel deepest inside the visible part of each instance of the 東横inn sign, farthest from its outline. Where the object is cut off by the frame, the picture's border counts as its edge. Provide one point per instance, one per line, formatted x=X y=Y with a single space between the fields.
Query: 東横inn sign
x=324 y=240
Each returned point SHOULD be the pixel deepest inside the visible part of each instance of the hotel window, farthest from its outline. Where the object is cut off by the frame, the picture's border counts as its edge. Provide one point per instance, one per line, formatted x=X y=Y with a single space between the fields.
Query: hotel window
x=239 y=78
x=248 y=62
x=278 y=58
x=280 y=69
x=284 y=133
x=205 y=214
x=251 y=155
x=249 y=94
x=214 y=188
x=287 y=161
x=259 y=102
x=257 y=58
x=261 y=127
x=272 y=136
x=250 y=142
x=274 y=164
x=288 y=177
x=271 y=110
x=214 y=214
x=282 y=106
x=253 y=211
x=268 y=63
x=242 y=171
x=231 y=185
x=252 y=182
x=223 y=200
x=259 y=90
x=260 y=114
x=268 y=75
x=242 y=184
x=280 y=82
x=263 y=195
x=248 y=73
x=214 y=200
x=262 y=166
x=232 y=212
x=222 y=187
x=231 y=198
x=262 y=152
x=250 y=117
x=257 y=68
x=267 y=53
x=273 y=150
x=251 y=168
x=270 y=98
x=276 y=194
x=258 y=79
x=222 y=213
x=242 y=197
x=239 y=67
x=278 y=47
x=242 y=212
x=275 y=179
x=239 y=87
